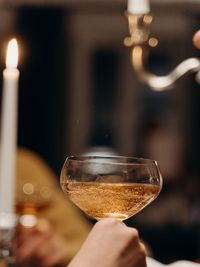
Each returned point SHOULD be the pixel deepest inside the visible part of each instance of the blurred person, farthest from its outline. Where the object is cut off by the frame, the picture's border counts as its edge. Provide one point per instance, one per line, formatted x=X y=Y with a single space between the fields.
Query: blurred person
x=163 y=142
x=51 y=230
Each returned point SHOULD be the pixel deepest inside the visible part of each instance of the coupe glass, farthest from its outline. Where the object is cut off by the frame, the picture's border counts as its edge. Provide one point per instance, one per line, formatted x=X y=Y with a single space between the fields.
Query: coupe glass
x=110 y=186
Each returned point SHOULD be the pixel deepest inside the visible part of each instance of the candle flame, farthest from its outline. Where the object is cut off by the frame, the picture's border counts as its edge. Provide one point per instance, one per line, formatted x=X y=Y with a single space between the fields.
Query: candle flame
x=12 y=54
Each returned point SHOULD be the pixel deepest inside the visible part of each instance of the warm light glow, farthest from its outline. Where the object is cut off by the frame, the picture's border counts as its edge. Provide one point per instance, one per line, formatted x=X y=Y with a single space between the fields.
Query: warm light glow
x=12 y=54
x=153 y=42
x=147 y=19
x=128 y=42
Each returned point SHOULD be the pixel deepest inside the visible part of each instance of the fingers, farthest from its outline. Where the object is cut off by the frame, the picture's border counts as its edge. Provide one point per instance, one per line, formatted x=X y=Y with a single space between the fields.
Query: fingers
x=196 y=39
x=133 y=251
x=53 y=253
x=27 y=248
x=42 y=245
x=54 y=258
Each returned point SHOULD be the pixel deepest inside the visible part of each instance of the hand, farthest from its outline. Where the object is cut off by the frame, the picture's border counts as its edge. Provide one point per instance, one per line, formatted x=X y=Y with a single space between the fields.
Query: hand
x=111 y=243
x=40 y=246
x=196 y=39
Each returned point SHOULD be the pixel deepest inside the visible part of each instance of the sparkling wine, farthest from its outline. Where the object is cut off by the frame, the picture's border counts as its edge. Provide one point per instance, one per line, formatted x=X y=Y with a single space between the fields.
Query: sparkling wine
x=116 y=200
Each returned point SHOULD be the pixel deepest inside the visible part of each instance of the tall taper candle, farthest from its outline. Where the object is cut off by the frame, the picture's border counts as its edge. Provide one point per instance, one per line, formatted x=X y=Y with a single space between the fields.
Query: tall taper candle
x=138 y=7
x=8 y=131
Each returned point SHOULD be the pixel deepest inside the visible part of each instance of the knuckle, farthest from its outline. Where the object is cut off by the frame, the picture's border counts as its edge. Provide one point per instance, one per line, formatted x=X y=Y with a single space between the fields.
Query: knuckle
x=133 y=233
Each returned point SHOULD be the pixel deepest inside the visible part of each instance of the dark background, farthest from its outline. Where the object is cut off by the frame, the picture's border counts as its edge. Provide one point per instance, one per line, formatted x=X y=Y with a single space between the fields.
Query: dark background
x=43 y=90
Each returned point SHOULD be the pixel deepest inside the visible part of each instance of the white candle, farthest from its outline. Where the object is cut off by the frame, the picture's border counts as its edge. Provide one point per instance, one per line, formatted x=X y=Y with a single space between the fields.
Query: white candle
x=138 y=7
x=8 y=131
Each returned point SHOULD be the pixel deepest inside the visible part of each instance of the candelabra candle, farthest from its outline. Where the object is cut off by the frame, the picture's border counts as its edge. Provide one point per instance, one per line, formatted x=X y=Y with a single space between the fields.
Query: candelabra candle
x=138 y=7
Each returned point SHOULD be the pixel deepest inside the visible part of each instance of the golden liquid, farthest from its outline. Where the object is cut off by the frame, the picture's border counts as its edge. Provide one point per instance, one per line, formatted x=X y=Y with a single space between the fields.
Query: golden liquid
x=115 y=200
x=30 y=207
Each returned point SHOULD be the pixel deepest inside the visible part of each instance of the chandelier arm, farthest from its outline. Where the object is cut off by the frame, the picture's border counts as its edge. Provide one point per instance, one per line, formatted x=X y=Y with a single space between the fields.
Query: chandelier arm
x=160 y=83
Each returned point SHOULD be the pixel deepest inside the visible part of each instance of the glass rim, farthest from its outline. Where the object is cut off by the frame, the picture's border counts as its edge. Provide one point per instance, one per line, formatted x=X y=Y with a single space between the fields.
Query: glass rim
x=133 y=160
